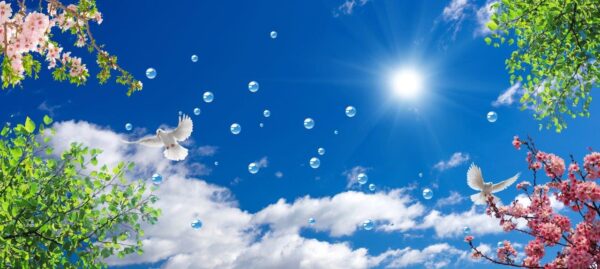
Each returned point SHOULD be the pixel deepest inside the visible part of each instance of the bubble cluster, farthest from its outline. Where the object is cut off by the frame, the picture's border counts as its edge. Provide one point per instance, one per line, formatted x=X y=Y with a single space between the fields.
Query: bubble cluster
x=197 y=111
x=314 y=162
x=309 y=123
x=321 y=151
x=253 y=168
x=151 y=73
x=128 y=126
x=368 y=225
x=350 y=111
x=492 y=116
x=196 y=224
x=253 y=86
x=208 y=97
x=362 y=178
x=157 y=179
x=427 y=193
x=235 y=128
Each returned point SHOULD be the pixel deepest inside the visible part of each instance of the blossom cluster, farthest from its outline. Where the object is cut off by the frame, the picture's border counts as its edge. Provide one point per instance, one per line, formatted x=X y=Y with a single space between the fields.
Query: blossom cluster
x=578 y=240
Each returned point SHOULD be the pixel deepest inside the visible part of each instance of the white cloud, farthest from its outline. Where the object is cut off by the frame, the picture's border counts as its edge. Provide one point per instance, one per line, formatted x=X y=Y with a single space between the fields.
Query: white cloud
x=263 y=162
x=433 y=256
x=352 y=175
x=207 y=150
x=50 y=109
x=343 y=213
x=231 y=237
x=555 y=204
x=455 y=160
x=348 y=7
x=451 y=225
x=455 y=11
x=278 y=174
x=509 y=96
x=453 y=199
x=484 y=14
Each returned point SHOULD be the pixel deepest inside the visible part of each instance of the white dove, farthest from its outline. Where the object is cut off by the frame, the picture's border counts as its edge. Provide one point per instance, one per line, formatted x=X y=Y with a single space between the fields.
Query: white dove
x=475 y=181
x=168 y=139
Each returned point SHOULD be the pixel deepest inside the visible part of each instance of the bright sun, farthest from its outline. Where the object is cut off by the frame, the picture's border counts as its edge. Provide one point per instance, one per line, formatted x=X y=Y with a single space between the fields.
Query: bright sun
x=406 y=83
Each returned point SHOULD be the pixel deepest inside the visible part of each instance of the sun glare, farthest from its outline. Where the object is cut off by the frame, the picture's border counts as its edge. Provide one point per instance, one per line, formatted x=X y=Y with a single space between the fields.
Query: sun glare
x=406 y=83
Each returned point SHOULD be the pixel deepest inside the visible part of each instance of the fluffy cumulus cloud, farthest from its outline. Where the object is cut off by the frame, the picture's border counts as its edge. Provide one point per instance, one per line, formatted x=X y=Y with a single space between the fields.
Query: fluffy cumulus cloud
x=458 y=158
x=452 y=224
x=270 y=238
x=509 y=96
x=453 y=199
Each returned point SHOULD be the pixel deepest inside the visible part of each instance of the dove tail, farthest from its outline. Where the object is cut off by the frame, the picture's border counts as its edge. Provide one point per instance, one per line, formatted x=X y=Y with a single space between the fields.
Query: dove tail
x=176 y=153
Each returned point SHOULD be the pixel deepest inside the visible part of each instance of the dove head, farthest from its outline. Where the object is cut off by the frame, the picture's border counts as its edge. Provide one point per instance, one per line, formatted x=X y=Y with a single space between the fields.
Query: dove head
x=159 y=131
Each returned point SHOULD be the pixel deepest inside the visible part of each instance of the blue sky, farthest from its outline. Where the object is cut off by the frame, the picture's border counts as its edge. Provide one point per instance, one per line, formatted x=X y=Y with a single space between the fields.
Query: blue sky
x=324 y=58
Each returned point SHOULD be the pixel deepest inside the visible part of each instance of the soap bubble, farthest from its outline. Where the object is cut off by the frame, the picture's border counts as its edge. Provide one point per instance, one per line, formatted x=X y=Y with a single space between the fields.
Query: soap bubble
x=350 y=111
x=128 y=126
x=267 y=113
x=420 y=175
x=315 y=162
x=151 y=73
x=196 y=111
x=336 y=132
x=253 y=86
x=157 y=179
x=466 y=230
x=309 y=123
x=368 y=225
x=235 y=128
x=500 y=244
x=194 y=58
x=427 y=193
x=253 y=168
x=216 y=163
x=208 y=97
x=196 y=224
x=273 y=34
x=261 y=125
x=180 y=112
x=362 y=178
x=492 y=116
x=372 y=187
x=321 y=151
x=311 y=221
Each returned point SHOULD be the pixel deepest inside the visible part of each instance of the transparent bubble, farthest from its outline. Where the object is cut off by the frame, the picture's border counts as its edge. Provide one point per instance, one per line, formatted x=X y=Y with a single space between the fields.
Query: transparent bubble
x=368 y=225
x=421 y=175
x=321 y=151
x=235 y=128
x=427 y=193
x=500 y=244
x=336 y=132
x=261 y=125
x=157 y=179
x=267 y=113
x=194 y=58
x=309 y=123
x=466 y=230
x=253 y=168
x=372 y=187
x=350 y=111
x=216 y=163
x=311 y=221
x=362 y=178
x=273 y=34
x=196 y=224
x=314 y=162
x=253 y=86
x=180 y=112
x=151 y=73
x=128 y=126
x=208 y=97
x=197 y=111
x=492 y=116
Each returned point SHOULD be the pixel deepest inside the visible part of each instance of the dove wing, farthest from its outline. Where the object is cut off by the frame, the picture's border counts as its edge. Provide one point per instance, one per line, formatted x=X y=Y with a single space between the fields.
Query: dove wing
x=505 y=184
x=474 y=178
x=149 y=141
x=184 y=129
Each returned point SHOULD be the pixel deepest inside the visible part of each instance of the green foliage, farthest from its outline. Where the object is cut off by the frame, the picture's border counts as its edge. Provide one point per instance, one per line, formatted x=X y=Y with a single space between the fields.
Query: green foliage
x=556 y=54
x=65 y=212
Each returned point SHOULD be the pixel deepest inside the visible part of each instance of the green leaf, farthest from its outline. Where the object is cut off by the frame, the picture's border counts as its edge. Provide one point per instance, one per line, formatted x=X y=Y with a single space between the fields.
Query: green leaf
x=29 y=125
x=47 y=120
x=492 y=26
x=488 y=40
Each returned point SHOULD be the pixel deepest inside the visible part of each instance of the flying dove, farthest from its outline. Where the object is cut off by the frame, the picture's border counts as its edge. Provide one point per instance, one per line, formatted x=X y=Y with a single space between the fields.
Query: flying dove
x=475 y=181
x=169 y=139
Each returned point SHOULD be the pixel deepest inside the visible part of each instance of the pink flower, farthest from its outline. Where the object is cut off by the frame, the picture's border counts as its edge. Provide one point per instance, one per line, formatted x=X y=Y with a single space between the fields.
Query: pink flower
x=516 y=142
x=591 y=164
x=5 y=12
x=468 y=238
x=555 y=166
x=534 y=251
x=550 y=233
x=506 y=251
